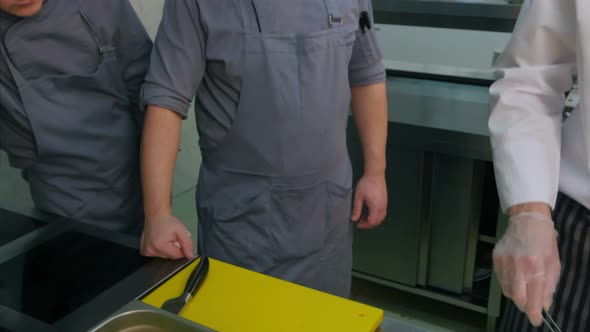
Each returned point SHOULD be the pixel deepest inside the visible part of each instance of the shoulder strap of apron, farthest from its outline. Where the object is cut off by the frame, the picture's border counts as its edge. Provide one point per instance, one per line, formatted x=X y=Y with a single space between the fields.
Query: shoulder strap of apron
x=250 y=24
x=363 y=5
x=103 y=46
x=18 y=80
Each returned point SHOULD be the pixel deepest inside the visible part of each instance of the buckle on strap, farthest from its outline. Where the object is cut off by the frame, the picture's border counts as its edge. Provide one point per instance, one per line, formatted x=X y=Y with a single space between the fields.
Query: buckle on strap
x=106 y=49
x=335 y=20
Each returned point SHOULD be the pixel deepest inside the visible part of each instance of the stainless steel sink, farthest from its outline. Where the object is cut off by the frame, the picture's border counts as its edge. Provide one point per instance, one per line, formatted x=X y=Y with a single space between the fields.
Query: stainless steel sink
x=138 y=316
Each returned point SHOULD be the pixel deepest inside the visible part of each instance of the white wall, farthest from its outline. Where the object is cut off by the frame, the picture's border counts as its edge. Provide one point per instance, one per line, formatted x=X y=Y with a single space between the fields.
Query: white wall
x=150 y=12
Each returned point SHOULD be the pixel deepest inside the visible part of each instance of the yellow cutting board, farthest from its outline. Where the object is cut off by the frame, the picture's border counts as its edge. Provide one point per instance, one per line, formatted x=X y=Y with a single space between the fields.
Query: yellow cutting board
x=234 y=299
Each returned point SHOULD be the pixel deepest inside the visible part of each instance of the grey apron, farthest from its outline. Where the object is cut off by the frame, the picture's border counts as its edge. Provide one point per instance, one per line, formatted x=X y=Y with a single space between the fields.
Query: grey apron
x=87 y=165
x=275 y=192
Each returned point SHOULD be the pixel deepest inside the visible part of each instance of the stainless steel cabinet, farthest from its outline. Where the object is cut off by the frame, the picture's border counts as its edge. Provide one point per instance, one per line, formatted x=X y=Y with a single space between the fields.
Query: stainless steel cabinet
x=392 y=250
x=430 y=242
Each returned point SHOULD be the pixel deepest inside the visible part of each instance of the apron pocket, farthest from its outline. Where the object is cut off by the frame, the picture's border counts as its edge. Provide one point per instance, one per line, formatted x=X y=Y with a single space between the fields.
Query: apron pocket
x=299 y=219
x=116 y=208
x=339 y=227
x=336 y=258
x=238 y=234
x=340 y=201
x=49 y=196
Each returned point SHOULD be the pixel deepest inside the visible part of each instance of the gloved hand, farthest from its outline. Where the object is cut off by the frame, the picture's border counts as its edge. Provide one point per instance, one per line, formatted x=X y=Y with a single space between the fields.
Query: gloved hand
x=526 y=261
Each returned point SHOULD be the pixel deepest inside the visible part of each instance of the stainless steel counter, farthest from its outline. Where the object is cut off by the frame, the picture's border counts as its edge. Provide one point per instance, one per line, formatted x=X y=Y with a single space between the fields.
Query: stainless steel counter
x=459 y=108
x=445 y=117
x=21 y=236
x=137 y=314
x=449 y=118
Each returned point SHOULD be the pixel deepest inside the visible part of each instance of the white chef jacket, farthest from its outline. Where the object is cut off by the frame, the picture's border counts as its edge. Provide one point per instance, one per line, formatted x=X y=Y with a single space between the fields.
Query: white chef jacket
x=535 y=154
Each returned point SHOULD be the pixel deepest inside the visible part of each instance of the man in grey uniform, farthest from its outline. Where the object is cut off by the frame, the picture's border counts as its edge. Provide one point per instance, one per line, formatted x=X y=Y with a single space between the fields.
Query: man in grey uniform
x=274 y=82
x=71 y=71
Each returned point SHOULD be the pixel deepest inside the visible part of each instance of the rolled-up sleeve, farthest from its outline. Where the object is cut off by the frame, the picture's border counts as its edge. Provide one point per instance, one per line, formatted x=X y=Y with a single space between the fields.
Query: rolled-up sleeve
x=178 y=58
x=365 y=65
x=135 y=47
x=527 y=102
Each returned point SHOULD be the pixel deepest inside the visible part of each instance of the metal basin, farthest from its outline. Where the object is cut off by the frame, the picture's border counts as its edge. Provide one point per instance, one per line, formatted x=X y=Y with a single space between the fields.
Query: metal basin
x=148 y=320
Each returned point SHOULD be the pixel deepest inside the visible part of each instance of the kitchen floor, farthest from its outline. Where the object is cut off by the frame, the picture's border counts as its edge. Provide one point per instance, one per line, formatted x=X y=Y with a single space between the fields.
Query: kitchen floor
x=414 y=310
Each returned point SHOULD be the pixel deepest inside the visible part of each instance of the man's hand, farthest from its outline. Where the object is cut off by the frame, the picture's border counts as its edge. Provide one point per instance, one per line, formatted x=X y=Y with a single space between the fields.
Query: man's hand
x=371 y=191
x=167 y=237
x=369 y=109
x=163 y=234
x=526 y=261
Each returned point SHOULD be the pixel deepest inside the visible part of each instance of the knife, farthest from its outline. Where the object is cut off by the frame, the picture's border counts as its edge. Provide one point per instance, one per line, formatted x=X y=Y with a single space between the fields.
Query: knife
x=551 y=324
x=195 y=280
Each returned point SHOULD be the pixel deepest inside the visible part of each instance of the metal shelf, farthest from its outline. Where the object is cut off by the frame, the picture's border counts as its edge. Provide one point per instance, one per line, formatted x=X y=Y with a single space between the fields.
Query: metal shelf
x=459 y=301
x=483 y=15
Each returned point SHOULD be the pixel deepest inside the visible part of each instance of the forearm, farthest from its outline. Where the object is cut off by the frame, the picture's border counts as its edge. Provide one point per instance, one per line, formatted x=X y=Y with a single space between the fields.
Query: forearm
x=527 y=106
x=159 y=150
x=369 y=109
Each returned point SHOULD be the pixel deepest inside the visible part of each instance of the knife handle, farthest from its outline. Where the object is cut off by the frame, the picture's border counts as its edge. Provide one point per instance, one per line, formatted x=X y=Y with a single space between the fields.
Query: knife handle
x=197 y=276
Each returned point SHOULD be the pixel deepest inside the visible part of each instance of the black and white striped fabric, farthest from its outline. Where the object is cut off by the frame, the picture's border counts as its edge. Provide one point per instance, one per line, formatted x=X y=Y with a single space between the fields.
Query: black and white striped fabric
x=571 y=307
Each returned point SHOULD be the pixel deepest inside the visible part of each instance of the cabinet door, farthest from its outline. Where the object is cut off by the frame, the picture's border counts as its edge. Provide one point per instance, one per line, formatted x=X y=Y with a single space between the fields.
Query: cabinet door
x=454 y=216
x=391 y=250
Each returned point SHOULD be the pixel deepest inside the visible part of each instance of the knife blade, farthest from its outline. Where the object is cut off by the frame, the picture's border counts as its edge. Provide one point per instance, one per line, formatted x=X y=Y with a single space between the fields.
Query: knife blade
x=551 y=324
x=195 y=280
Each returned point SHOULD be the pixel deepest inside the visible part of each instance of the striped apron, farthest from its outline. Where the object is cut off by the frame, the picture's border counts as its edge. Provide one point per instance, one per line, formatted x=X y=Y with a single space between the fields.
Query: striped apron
x=571 y=306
